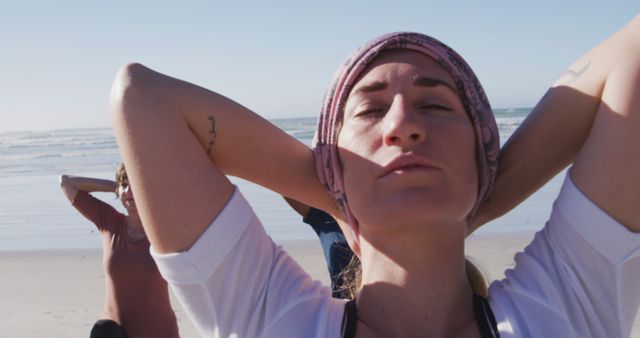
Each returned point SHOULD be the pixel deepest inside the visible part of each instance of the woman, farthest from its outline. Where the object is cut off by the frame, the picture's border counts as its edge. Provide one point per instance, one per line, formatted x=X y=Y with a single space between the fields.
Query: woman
x=407 y=148
x=136 y=298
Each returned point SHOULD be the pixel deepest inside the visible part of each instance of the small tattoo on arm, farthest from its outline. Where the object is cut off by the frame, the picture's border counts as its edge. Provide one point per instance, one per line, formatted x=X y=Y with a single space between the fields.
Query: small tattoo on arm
x=213 y=133
x=570 y=76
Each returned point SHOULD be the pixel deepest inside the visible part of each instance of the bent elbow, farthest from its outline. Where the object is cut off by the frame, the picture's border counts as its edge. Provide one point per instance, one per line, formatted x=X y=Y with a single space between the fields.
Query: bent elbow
x=62 y=180
x=133 y=84
x=133 y=101
x=128 y=82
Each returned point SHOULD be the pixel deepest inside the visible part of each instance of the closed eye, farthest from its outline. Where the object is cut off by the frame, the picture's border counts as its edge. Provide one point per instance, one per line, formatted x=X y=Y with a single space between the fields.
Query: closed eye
x=370 y=112
x=435 y=107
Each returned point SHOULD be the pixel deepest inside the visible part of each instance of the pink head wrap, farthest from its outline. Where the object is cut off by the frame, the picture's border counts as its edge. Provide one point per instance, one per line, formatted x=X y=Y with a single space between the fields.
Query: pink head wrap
x=469 y=88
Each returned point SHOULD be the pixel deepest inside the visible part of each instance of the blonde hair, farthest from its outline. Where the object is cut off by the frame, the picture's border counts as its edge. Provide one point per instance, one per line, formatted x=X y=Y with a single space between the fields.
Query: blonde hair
x=352 y=278
x=121 y=175
x=476 y=278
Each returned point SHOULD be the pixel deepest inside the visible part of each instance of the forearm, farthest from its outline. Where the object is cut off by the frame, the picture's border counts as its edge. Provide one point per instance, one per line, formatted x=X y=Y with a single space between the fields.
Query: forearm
x=553 y=133
x=545 y=143
x=179 y=141
x=241 y=143
x=88 y=184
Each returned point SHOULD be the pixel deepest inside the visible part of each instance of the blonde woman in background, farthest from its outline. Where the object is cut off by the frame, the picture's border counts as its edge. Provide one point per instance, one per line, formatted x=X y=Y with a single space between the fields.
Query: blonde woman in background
x=136 y=297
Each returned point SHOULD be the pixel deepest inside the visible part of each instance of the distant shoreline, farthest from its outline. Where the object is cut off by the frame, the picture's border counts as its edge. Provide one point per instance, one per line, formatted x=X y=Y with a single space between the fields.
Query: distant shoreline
x=17 y=131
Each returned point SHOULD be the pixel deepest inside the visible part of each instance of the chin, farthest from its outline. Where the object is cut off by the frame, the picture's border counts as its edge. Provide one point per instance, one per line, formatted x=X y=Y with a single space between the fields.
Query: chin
x=413 y=207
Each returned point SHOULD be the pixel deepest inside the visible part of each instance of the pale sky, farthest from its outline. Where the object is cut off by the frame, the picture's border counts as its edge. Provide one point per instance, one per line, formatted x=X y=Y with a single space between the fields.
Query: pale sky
x=58 y=58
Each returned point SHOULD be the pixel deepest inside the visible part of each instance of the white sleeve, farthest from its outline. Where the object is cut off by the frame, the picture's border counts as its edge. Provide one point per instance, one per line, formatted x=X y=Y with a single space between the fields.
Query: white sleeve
x=234 y=281
x=579 y=277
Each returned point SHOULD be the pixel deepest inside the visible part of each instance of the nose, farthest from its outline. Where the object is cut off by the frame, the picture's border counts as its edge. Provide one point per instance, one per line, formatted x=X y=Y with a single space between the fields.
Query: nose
x=130 y=191
x=127 y=190
x=403 y=125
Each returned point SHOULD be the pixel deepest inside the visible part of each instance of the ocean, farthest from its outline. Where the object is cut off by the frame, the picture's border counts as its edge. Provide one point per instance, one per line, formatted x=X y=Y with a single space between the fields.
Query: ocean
x=35 y=215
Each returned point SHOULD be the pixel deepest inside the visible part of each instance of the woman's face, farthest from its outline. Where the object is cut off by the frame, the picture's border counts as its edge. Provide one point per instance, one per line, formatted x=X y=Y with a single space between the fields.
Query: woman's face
x=407 y=146
x=126 y=196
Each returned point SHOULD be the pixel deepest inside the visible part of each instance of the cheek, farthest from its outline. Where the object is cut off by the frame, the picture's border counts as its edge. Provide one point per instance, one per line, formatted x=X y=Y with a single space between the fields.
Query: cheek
x=356 y=170
x=359 y=140
x=463 y=153
x=355 y=150
x=359 y=186
x=463 y=158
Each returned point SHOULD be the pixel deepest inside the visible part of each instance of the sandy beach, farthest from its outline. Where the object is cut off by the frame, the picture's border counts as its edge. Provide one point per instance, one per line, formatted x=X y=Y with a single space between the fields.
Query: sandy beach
x=60 y=293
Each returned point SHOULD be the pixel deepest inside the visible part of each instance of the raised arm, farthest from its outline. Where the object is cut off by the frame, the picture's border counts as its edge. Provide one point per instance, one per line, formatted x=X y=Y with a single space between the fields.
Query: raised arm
x=591 y=117
x=179 y=141
x=72 y=184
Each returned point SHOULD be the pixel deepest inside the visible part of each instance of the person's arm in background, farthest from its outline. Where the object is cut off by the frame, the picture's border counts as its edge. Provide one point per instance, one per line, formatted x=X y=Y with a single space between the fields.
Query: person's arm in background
x=589 y=117
x=70 y=185
x=78 y=189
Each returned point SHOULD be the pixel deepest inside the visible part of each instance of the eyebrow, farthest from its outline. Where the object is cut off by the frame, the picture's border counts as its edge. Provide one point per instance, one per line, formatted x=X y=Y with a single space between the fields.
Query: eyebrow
x=423 y=81
x=419 y=81
x=372 y=87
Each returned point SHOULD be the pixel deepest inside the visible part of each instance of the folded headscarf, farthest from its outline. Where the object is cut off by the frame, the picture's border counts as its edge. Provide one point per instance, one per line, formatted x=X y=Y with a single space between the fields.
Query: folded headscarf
x=471 y=93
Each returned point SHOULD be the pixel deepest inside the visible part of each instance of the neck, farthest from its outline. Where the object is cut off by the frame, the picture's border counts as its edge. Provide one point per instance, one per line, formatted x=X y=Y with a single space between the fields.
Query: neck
x=134 y=222
x=415 y=285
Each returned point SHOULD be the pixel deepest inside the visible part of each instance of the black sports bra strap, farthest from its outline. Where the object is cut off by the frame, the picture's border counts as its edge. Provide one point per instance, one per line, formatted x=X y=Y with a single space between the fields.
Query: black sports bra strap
x=350 y=319
x=485 y=318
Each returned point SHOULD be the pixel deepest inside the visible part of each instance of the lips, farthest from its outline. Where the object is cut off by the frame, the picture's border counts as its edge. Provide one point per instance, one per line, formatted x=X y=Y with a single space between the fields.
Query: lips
x=406 y=164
